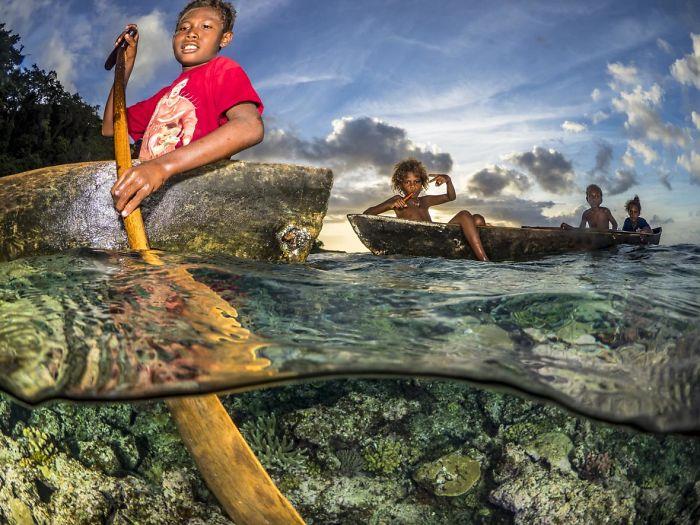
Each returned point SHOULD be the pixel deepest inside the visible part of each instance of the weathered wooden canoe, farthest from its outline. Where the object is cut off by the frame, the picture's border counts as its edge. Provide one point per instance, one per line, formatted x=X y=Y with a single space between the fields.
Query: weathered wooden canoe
x=244 y=209
x=391 y=236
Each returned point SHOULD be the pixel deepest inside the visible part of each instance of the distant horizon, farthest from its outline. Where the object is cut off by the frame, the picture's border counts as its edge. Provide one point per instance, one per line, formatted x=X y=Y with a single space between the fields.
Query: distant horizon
x=523 y=104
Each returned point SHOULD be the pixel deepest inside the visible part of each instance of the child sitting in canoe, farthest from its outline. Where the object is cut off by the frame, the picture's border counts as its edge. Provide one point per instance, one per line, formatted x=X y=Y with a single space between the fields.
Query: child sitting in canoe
x=209 y=112
x=597 y=217
x=409 y=179
x=635 y=223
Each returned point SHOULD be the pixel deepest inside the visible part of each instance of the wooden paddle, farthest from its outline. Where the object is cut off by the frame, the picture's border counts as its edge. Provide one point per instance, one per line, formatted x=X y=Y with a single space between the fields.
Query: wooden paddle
x=226 y=462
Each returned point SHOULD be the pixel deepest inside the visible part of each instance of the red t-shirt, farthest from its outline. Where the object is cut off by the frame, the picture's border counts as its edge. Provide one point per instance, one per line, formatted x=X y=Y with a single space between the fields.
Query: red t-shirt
x=194 y=105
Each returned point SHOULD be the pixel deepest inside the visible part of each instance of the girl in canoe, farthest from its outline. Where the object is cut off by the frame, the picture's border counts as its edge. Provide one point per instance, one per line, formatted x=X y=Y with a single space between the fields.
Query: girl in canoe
x=635 y=223
x=409 y=179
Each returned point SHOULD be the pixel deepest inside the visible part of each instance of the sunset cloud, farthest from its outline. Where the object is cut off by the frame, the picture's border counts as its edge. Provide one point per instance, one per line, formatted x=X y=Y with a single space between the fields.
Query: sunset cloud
x=353 y=144
x=552 y=171
x=491 y=181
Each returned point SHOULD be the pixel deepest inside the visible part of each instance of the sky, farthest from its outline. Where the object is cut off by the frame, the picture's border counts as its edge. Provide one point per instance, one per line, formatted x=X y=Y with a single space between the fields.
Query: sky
x=523 y=103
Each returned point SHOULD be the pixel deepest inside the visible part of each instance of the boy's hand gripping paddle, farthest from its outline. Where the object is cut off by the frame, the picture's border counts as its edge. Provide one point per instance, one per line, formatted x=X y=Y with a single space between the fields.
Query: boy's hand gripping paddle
x=225 y=460
x=112 y=58
x=135 y=231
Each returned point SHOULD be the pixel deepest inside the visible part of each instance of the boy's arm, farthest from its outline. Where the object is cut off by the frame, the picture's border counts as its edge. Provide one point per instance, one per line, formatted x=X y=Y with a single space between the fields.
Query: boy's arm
x=434 y=200
x=243 y=130
x=612 y=220
x=129 y=59
x=584 y=220
x=394 y=202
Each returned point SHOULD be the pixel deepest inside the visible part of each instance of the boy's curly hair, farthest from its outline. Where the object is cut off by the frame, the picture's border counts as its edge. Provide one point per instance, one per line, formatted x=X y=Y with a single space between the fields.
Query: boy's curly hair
x=633 y=202
x=401 y=169
x=226 y=11
x=593 y=187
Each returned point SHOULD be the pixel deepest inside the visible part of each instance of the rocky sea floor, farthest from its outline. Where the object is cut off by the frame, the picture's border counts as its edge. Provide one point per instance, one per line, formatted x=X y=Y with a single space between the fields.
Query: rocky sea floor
x=351 y=451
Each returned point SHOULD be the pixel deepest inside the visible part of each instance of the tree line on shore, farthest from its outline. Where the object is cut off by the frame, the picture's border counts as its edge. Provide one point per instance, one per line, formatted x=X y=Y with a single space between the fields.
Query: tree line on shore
x=41 y=124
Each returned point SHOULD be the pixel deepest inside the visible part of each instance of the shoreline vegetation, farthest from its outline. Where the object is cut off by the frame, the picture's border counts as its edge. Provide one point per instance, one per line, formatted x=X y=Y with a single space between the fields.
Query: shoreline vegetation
x=42 y=124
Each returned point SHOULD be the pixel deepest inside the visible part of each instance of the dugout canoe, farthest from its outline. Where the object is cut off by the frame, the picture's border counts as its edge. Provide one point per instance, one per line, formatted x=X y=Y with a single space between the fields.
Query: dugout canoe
x=245 y=209
x=391 y=236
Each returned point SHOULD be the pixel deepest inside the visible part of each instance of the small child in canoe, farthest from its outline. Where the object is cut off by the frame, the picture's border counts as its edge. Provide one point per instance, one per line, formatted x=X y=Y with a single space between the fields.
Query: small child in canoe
x=409 y=179
x=635 y=223
x=597 y=217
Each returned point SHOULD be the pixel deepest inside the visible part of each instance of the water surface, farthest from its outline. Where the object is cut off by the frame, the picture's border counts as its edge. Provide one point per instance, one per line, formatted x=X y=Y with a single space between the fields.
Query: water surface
x=610 y=334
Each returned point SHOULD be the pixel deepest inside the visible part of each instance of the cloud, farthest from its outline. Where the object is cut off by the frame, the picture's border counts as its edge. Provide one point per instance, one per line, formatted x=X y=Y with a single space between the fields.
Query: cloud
x=552 y=171
x=665 y=179
x=511 y=210
x=346 y=199
x=56 y=57
x=600 y=116
x=640 y=107
x=603 y=158
x=354 y=143
x=696 y=119
x=596 y=95
x=155 y=48
x=290 y=79
x=686 y=70
x=623 y=74
x=664 y=46
x=628 y=159
x=573 y=127
x=691 y=162
x=644 y=150
x=658 y=220
x=623 y=180
x=17 y=13
x=492 y=180
x=253 y=13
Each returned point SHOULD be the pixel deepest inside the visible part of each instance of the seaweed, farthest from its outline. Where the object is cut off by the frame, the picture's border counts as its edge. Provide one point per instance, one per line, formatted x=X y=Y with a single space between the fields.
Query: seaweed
x=274 y=451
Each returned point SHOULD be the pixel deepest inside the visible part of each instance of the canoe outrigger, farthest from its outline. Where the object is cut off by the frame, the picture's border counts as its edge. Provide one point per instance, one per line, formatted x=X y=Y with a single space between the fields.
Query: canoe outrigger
x=391 y=236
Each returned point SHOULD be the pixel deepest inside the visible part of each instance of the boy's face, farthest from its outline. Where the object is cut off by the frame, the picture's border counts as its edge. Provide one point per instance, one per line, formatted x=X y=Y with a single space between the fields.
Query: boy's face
x=411 y=183
x=594 y=198
x=199 y=36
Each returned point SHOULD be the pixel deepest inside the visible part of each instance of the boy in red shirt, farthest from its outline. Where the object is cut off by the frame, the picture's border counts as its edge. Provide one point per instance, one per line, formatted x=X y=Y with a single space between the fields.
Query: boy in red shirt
x=208 y=113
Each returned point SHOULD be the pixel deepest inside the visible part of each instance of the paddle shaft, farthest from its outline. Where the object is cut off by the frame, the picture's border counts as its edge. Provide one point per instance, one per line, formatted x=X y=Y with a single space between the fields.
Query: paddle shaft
x=225 y=460
x=133 y=224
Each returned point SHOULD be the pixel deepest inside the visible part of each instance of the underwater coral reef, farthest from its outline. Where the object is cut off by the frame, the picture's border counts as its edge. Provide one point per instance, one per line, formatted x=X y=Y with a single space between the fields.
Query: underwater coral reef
x=351 y=452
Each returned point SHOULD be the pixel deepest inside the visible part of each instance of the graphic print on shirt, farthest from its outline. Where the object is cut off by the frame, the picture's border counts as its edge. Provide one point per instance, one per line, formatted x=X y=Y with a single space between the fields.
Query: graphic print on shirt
x=173 y=120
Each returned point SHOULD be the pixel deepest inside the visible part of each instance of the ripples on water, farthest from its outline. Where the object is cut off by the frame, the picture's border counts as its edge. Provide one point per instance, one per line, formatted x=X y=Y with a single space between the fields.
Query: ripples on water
x=612 y=334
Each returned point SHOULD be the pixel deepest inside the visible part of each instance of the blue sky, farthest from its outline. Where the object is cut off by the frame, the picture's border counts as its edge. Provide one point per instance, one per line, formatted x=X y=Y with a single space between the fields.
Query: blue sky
x=523 y=103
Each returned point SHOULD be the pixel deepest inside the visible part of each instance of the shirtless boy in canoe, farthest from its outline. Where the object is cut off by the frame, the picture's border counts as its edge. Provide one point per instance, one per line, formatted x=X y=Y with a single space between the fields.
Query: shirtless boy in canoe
x=409 y=179
x=597 y=217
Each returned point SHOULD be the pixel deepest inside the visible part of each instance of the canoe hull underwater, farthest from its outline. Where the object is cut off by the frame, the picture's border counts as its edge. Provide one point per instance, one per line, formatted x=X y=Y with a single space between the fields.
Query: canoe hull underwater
x=244 y=209
x=391 y=236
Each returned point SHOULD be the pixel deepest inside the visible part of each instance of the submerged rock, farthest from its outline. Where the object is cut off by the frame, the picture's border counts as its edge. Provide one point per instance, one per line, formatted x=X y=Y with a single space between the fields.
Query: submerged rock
x=554 y=448
x=59 y=490
x=451 y=475
x=245 y=209
x=538 y=494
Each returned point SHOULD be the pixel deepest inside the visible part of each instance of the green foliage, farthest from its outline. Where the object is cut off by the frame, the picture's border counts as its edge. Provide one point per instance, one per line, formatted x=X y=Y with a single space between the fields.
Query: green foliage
x=37 y=449
x=273 y=451
x=41 y=124
x=384 y=456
